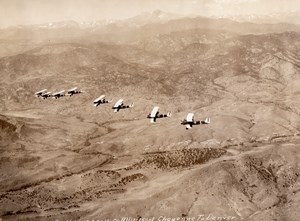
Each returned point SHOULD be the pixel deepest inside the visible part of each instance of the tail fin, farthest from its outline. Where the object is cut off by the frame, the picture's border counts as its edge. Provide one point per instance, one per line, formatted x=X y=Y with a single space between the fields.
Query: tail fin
x=207 y=120
x=152 y=120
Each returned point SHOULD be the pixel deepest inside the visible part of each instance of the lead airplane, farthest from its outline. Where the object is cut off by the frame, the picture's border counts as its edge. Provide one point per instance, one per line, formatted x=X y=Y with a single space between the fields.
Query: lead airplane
x=101 y=100
x=119 y=105
x=58 y=94
x=189 y=121
x=73 y=91
x=155 y=114
x=40 y=93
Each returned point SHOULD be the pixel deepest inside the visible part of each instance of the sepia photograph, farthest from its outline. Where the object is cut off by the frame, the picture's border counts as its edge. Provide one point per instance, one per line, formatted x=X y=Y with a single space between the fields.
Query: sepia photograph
x=149 y=110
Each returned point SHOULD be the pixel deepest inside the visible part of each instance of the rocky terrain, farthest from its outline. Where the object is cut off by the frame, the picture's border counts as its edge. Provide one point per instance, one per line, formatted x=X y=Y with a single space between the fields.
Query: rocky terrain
x=64 y=159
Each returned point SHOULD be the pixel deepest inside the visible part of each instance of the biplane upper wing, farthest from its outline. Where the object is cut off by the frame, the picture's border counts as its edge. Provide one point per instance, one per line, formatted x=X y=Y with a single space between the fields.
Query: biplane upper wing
x=118 y=103
x=154 y=112
x=99 y=99
x=190 y=118
x=73 y=89
x=39 y=93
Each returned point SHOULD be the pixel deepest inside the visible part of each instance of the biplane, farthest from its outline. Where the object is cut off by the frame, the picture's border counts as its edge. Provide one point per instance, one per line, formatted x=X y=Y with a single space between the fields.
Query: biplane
x=119 y=105
x=189 y=121
x=73 y=91
x=46 y=95
x=155 y=114
x=58 y=94
x=101 y=100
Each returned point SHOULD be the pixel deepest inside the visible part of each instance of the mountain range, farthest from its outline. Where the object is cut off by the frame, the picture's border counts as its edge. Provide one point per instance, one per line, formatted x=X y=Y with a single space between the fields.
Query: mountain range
x=139 y=28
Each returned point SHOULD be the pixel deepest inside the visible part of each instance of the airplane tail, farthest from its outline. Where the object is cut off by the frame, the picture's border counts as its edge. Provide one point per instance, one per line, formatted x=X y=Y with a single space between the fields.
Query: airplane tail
x=152 y=120
x=207 y=120
x=116 y=110
x=187 y=126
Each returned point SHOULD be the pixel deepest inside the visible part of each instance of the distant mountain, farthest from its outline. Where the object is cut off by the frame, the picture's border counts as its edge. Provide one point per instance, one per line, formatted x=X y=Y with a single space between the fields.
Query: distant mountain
x=175 y=41
x=154 y=23
x=216 y=24
x=148 y=30
x=287 y=17
x=156 y=16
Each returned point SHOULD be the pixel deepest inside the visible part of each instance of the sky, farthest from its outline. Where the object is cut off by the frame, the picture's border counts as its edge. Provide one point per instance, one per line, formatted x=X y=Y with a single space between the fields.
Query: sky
x=26 y=12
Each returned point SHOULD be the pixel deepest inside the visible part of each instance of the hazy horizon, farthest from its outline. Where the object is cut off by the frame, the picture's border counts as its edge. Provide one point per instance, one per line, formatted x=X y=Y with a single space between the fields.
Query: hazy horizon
x=21 y=12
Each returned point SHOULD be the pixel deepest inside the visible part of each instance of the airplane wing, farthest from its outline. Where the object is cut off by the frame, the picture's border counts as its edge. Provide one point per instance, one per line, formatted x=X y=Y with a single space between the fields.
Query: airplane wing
x=40 y=92
x=47 y=94
x=190 y=117
x=99 y=99
x=118 y=103
x=73 y=89
x=154 y=112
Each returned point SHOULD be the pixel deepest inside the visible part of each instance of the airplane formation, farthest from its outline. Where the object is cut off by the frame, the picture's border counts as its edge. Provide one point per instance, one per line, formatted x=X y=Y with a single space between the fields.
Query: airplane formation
x=44 y=94
x=189 y=121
